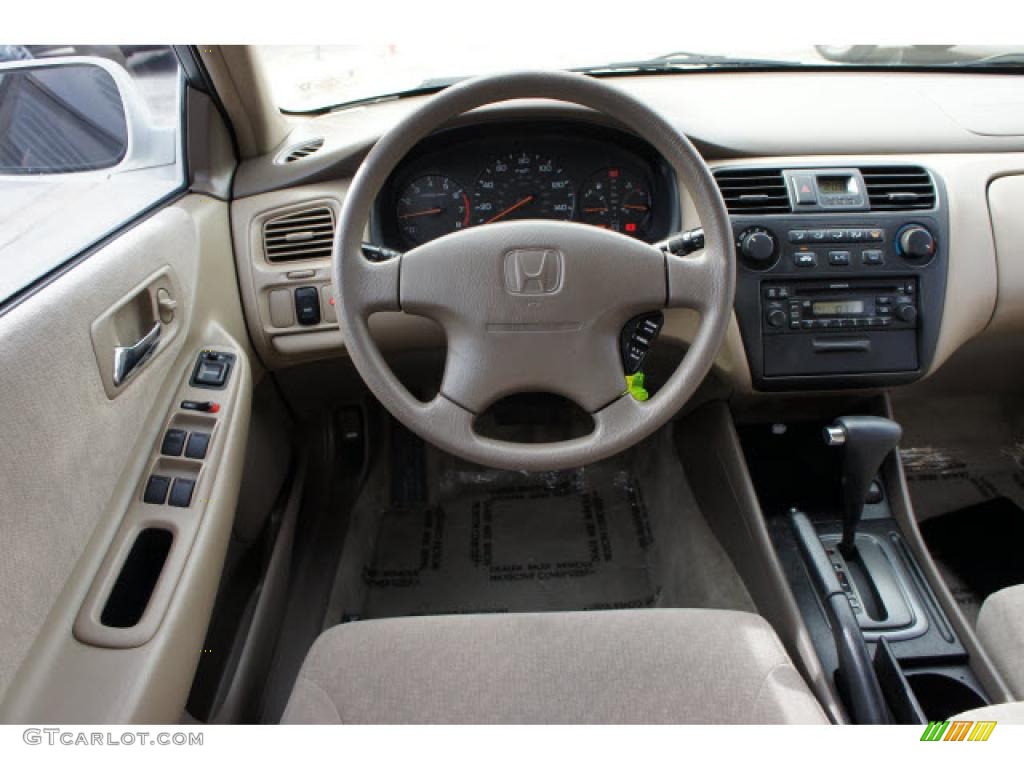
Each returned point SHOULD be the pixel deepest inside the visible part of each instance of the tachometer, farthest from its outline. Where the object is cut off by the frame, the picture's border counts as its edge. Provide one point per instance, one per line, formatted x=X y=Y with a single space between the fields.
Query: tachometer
x=617 y=199
x=522 y=185
x=431 y=206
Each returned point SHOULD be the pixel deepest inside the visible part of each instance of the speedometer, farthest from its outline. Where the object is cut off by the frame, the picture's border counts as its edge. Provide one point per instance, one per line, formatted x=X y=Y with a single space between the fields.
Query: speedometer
x=522 y=185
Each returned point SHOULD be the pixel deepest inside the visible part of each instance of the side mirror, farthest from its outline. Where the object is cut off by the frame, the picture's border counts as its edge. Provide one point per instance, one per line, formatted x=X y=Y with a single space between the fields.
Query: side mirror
x=72 y=115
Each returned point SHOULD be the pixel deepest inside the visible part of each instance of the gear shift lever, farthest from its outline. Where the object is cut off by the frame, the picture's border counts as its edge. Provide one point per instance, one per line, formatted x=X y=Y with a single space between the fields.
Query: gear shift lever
x=866 y=441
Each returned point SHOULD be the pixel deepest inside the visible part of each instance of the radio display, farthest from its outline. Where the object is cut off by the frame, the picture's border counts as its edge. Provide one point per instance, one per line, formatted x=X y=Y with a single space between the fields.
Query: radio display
x=821 y=308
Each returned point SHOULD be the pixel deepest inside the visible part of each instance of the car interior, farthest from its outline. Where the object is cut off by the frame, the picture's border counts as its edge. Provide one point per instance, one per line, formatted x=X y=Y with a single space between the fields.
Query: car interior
x=639 y=394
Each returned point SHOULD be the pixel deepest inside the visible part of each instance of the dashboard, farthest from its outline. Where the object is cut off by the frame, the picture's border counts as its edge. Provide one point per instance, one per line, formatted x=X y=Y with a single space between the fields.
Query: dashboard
x=468 y=177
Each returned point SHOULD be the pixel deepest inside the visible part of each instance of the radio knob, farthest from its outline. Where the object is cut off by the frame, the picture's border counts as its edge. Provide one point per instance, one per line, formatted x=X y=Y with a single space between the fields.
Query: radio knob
x=907 y=313
x=916 y=242
x=757 y=247
x=776 y=318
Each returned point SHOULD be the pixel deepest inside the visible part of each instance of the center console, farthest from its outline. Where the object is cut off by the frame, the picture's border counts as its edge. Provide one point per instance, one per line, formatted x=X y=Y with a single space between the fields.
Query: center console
x=842 y=273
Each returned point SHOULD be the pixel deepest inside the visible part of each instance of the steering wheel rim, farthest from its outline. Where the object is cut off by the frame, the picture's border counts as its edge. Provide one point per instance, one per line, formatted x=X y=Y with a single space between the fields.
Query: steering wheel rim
x=449 y=280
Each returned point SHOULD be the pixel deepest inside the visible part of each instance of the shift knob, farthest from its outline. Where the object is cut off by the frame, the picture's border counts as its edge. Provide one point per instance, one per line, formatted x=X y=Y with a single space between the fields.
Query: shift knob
x=865 y=441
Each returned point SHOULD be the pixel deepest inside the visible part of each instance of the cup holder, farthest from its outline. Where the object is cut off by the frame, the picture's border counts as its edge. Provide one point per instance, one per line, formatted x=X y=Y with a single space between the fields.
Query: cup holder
x=943 y=695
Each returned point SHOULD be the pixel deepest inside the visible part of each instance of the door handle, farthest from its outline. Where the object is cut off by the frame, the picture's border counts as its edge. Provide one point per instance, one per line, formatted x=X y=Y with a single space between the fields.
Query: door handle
x=128 y=360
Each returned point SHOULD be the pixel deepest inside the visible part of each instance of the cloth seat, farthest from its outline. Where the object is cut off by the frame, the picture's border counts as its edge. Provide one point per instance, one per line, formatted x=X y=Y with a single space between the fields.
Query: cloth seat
x=629 y=666
x=1001 y=633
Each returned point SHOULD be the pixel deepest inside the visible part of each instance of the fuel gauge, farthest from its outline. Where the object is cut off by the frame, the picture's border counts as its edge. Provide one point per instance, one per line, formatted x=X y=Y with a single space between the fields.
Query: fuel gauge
x=617 y=199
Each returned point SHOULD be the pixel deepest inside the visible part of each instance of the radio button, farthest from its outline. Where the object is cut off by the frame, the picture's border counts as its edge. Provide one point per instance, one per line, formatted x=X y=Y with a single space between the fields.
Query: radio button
x=806 y=324
x=872 y=258
x=805 y=259
x=839 y=258
x=776 y=318
x=862 y=322
x=881 y=300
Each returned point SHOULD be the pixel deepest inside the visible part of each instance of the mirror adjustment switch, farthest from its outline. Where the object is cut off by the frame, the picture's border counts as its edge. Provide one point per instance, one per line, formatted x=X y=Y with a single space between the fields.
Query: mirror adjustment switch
x=173 y=443
x=198 y=443
x=307 y=305
x=212 y=369
x=181 y=492
x=156 y=489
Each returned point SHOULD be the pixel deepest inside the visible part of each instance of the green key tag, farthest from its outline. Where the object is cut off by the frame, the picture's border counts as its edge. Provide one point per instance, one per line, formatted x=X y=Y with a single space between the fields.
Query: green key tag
x=635 y=386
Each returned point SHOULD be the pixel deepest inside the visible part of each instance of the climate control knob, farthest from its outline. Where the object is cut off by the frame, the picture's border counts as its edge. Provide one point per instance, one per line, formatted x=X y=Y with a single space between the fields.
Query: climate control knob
x=758 y=247
x=916 y=242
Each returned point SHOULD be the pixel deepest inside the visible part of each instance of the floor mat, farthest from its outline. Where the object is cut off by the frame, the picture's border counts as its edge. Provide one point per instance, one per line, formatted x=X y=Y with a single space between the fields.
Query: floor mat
x=511 y=541
x=440 y=535
x=978 y=550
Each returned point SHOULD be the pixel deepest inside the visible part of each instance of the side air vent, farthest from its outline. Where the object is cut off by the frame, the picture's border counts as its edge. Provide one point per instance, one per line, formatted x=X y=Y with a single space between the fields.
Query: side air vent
x=899 y=188
x=753 y=191
x=306 y=234
x=301 y=151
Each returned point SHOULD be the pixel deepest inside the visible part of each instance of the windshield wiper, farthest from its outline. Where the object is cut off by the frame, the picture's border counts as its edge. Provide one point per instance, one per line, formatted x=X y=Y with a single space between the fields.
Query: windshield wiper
x=679 y=61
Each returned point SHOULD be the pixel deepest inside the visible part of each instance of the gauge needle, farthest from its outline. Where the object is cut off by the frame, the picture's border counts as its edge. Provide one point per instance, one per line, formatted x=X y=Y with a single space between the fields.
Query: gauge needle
x=507 y=211
x=595 y=210
x=636 y=207
x=429 y=212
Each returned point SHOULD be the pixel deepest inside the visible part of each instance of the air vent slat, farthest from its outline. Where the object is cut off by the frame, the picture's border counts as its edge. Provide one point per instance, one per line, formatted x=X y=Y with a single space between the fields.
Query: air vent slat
x=752 y=191
x=300 y=151
x=306 y=234
x=899 y=188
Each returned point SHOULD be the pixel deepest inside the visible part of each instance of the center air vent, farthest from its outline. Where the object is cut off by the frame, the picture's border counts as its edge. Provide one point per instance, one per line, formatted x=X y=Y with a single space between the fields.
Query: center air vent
x=899 y=188
x=306 y=234
x=300 y=151
x=753 y=190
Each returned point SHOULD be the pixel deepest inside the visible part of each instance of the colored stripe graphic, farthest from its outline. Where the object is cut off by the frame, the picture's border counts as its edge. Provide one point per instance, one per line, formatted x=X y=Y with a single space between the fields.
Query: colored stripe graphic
x=958 y=730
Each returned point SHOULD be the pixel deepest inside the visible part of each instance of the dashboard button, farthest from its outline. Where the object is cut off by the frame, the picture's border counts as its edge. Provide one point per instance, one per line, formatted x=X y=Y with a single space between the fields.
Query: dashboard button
x=805 y=259
x=798 y=236
x=872 y=258
x=839 y=258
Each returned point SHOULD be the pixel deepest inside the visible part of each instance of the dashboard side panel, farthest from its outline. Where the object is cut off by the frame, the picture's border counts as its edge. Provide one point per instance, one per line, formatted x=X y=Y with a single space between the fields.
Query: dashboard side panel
x=1006 y=200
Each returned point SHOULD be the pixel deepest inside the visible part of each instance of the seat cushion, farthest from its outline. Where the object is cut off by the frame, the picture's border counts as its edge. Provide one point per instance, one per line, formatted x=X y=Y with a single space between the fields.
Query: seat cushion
x=635 y=666
x=1001 y=633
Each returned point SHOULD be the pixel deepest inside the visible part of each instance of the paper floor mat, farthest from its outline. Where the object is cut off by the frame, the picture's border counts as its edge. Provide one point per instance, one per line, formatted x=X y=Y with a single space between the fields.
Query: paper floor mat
x=496 y=541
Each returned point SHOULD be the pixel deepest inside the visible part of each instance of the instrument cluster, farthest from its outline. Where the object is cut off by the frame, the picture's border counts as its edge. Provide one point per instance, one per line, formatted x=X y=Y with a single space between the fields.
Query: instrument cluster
x=483 y=174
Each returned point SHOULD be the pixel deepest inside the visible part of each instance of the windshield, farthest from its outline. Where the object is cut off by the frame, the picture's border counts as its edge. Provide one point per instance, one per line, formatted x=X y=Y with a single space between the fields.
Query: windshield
x=314 y=77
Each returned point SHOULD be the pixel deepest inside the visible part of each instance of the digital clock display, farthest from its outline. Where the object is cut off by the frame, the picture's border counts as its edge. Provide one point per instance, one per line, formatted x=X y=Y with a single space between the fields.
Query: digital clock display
x=829 y=308
x=835 y=185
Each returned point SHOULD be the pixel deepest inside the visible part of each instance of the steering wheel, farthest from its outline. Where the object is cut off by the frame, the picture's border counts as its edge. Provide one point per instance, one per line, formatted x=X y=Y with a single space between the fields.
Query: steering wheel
x=534 y=305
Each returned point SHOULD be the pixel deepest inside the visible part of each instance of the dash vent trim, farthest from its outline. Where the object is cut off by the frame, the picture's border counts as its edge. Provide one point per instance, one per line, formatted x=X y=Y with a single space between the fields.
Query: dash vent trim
x=299 y=235
x=753 y=191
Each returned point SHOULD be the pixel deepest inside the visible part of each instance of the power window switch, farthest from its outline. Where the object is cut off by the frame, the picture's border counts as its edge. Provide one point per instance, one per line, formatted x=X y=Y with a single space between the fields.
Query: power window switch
x=198 y=443
x=173 y=443
x=156 y=489
x=307 y=305
x=181 y=492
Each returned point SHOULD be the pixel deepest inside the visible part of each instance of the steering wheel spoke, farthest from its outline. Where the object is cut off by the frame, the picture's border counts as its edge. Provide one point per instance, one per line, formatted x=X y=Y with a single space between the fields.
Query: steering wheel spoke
x=698 y=280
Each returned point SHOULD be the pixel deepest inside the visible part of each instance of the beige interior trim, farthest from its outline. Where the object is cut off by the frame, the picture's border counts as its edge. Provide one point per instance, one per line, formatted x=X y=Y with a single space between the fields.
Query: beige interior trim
x=64 y=531
x=903 y=510
x=1006 y=202
x=244 y=90
x=721 y=483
